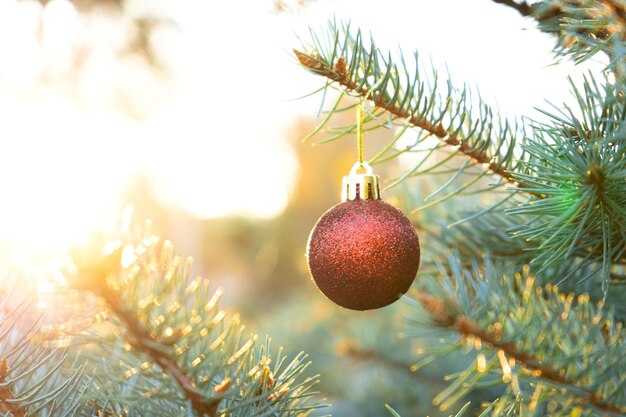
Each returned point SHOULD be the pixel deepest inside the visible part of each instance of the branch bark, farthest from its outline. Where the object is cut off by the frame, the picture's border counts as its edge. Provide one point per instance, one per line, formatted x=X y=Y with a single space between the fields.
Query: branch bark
x=143 y=341
x=523 y=8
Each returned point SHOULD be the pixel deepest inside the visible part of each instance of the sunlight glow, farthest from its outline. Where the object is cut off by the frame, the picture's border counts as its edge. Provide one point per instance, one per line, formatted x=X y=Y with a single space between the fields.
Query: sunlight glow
x=56 y=187
x=82 y=120
x=84 y=115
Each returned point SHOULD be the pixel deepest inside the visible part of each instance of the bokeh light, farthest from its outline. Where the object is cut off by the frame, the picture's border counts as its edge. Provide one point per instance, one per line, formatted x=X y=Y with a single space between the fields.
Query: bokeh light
x=194 y=97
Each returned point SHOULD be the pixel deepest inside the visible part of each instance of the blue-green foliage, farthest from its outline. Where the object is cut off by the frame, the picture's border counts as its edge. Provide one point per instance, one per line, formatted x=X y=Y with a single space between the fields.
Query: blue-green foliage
x=526 y=335
x=408 y=94
x=34 y=381
x=576 y=164
x=568 y=170
x=584 y=28
x=153 y=317
x=561 y=216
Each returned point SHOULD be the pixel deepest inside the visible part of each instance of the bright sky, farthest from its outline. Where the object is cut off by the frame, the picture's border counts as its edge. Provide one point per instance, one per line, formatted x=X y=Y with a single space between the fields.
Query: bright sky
x=212 y=139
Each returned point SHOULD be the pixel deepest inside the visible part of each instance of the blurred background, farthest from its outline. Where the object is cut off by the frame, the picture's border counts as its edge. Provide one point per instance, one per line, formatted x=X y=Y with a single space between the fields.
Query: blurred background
x=184 y=111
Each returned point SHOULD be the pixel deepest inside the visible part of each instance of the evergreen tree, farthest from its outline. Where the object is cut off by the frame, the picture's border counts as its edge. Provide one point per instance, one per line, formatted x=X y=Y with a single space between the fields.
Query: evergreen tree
x=530 y=284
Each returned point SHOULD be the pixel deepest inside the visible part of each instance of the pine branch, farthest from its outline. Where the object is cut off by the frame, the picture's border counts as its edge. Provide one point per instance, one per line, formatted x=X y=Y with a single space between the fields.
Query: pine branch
x=575 y=161
x=177 y=352
x=8 y=404
x=489 y=233
x=523 y=8
x=362 y=354
x=340 y=74
x=359 y=353
x=143 y=341
x=474 y=233
x=466 y=327
x=34 y=381
x=463 y=124
x=584 y=28
x=498 y=310
x=570 y=167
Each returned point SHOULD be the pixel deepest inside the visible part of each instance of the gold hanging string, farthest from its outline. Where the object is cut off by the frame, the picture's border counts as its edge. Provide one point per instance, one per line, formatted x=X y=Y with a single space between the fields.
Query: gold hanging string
x=360 y=117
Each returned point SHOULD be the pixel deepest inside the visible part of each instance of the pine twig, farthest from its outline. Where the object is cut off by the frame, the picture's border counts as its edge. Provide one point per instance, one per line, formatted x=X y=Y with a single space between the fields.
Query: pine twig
x=362 y=354
x=341 y=76
x=144 y=342
x=523 y=8
x=7 y=398
x=95 y=281
x=444 y=315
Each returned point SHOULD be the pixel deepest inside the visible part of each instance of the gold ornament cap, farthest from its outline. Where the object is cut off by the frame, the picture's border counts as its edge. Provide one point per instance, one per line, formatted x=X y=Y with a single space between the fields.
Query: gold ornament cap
x=360 y=185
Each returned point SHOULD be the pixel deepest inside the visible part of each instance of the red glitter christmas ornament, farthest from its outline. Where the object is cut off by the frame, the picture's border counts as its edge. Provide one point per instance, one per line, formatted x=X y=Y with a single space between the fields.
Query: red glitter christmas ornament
x=363 y=253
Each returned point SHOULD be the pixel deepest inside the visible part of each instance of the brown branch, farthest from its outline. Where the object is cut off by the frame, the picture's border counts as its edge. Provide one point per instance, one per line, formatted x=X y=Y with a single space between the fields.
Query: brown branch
x=523 y=8
x=362 y=354
x=143 y=341
x=94 y=279
x=618 y=11
x=356 y=352
x=443 y=314
x=7 y=398
x=342 y=77
x=617 y=8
